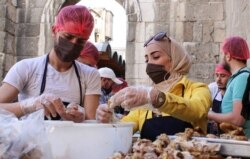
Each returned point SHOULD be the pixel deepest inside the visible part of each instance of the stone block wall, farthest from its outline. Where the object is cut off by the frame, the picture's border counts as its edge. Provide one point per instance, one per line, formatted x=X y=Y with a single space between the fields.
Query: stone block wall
x=238 y=18
x=7 y=35
x=200 y=25
x=25 y=29
x=149 y=17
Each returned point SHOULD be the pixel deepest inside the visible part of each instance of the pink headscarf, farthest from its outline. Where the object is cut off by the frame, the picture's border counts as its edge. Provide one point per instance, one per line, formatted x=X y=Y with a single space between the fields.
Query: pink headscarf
x=90 y=53
x=220 y=69
x=236 y=47
x=75 y=19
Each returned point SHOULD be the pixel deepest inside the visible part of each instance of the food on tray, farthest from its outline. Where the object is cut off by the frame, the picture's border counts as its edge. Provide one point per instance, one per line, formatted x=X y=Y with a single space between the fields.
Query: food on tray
x=227 y=127
x=198 y=132
x=109 y=103
x=32 y=154
x=111 y=107
x=234 y=137
x=212 y=136
x=232 y=132
x=182 y=147
x=185 y=145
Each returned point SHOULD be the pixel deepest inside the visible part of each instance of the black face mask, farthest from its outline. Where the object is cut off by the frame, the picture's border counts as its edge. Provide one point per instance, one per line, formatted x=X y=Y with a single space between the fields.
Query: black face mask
x=67 y=51
x=107 y=91
x=157 y=73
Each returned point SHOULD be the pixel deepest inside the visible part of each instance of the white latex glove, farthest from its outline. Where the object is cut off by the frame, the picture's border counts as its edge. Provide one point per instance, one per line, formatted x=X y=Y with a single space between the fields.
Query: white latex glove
x=49 y=102
x=104 y=113
x=75 y=113
x=131 y=97
x=31 y=105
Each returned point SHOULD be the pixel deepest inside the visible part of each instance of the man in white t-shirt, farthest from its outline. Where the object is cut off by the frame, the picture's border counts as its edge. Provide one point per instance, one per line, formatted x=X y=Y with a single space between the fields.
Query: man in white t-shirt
x=56 y=82
x=217 y=90
x=218 y=87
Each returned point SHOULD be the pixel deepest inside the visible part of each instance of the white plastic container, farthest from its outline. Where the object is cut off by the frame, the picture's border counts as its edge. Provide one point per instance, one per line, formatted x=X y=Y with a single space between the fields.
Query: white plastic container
x=88 y=140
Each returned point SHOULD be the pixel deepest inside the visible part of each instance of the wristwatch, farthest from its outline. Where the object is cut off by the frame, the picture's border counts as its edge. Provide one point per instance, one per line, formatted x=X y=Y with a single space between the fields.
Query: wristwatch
x=160 y=100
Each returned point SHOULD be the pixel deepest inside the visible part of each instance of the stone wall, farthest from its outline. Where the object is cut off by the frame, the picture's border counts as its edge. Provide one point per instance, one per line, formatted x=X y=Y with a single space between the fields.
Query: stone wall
x=25 y=29
x=200 y=25
x=238 y=18
x=144 y=19
x=7 y=34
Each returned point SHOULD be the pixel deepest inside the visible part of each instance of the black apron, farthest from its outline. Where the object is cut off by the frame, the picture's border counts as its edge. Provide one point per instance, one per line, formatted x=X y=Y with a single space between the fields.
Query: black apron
x=162 y=124
x=216 y=105
x=44 y=83
x=212 y=126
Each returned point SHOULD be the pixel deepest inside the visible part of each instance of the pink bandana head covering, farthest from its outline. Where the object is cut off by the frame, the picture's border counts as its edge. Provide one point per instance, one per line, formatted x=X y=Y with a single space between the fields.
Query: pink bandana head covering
x=75 y=19
x=90 y=53
x=220 y=69
x=236 y=47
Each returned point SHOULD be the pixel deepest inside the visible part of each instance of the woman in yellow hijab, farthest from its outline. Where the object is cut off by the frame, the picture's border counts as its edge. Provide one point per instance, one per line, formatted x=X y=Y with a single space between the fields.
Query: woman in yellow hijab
x=173 y=102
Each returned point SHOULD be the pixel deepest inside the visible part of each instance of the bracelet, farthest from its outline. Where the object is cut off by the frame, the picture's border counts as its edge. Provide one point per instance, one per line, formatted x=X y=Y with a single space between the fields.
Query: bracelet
x=160 y=100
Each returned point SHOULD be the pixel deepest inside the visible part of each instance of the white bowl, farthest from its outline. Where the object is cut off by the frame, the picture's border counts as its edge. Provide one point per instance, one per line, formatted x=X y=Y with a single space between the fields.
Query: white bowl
x=90 y=140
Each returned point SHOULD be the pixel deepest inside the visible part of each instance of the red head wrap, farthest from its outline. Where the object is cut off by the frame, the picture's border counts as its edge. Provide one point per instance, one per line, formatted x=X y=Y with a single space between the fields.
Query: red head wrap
x=90 y=53
x=117 y=87
x=75 y=19
x=220 y=69
x=236 y=47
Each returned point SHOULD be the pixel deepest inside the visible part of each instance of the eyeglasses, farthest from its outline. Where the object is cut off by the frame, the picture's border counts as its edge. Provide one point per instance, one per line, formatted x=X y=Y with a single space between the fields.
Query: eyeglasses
x=157 y=37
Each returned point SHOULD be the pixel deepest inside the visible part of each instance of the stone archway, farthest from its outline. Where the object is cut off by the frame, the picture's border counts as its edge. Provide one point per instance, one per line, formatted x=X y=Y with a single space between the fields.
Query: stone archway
x=201 y=34
x=200 y=26
x=28 y=31
x=23 y=28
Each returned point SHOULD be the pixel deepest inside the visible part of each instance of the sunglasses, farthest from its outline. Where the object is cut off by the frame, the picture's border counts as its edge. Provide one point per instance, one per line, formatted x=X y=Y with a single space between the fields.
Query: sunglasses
x=157 y=37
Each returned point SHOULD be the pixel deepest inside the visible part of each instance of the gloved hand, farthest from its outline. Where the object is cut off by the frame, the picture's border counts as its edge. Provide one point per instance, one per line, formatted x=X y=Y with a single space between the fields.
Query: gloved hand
x=103 y=113
x=31 y=105
x=75 y=112
x=131 y=97
x=49 y=102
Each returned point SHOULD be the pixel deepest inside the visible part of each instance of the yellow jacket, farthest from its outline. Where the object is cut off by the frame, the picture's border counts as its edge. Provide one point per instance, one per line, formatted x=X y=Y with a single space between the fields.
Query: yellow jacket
x=193 y=107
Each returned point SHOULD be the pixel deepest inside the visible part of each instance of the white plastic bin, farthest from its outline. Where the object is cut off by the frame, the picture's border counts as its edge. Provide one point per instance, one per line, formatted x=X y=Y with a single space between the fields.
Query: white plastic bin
x=88 y=140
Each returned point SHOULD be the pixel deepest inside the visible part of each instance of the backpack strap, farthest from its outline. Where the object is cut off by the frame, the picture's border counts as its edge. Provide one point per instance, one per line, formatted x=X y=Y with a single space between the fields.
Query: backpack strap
x=245 y=112
x=240 y=72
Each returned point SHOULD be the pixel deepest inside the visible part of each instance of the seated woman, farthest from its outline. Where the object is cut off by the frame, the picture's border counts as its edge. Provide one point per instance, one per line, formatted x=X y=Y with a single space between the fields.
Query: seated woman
x=174 y=101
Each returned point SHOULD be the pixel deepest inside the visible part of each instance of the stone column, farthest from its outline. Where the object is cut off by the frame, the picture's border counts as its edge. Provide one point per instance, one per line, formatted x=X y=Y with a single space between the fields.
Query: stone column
x=7 y=35
x=238 y=21
x=200 y=27
x=25 y=29
x=145 y=18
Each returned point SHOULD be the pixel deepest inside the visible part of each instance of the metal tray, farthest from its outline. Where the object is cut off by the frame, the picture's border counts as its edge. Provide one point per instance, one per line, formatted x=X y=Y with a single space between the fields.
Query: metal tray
x=233 y=148
x=229 y=147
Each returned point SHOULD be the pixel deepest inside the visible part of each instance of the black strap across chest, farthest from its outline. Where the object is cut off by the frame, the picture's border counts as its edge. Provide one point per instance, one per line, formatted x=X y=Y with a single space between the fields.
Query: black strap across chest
x=216 y=107
x=45 y=74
